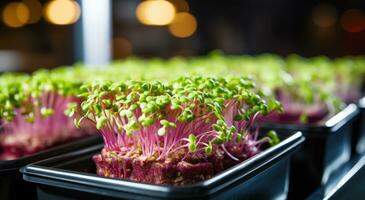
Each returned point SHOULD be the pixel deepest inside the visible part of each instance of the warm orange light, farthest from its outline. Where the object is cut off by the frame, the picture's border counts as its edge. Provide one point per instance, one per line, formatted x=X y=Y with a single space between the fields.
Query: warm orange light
x=353 y=20
x=155 y=12
x=183 y=25
x=15 y=14
x=62 y=12
x=35 y=10
x=324 y=15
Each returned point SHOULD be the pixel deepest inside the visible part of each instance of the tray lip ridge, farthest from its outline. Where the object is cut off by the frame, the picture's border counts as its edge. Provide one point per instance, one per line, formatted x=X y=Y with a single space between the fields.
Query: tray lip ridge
x=331 y=125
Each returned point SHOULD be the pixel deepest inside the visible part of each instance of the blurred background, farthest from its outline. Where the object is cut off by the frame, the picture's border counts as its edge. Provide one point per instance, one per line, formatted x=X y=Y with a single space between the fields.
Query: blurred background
x=44 y=33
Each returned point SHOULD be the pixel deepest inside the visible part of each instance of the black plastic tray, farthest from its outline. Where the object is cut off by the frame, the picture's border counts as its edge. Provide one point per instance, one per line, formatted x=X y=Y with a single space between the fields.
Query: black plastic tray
x=326 y=149
x=358 y=135
x=12 y=185
x=264 y=176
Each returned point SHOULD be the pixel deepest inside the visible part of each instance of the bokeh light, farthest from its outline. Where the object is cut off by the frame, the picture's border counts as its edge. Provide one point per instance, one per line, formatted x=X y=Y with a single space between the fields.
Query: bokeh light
x=180 y=5
x=353 y=20
x=15 y=14
x=324 y=15
x=155 y=12
x=184 y=25
x=121 y=47
x=35 y=10
x=62 y=12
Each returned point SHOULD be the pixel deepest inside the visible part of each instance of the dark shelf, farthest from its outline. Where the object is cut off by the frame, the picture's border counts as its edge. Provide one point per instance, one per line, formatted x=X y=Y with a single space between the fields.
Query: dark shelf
x=349 y=183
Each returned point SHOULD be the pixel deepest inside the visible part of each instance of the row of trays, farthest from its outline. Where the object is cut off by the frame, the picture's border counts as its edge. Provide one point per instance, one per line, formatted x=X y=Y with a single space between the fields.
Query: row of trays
x=305 y=164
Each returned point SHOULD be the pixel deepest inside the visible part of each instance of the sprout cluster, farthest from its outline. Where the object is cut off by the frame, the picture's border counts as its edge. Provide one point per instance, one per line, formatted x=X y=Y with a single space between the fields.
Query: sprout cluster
x=155 y=119
x=32 y=113
x=26 y=95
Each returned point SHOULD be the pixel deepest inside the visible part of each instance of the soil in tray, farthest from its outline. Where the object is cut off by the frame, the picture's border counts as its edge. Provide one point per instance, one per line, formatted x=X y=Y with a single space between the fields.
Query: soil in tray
x=181 y=168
